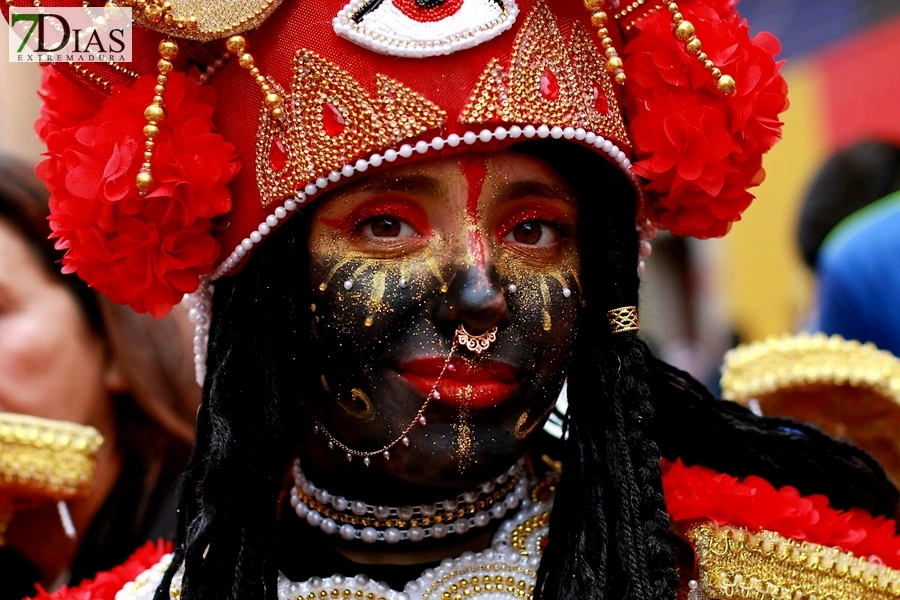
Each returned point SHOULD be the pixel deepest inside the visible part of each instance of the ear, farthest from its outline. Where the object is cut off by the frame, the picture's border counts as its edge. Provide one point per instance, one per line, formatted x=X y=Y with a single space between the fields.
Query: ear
x=114 y=379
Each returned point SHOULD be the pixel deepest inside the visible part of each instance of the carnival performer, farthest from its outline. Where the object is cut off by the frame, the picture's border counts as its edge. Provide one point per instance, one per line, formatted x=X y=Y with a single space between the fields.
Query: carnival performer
x=432 y=229
x=75 y=367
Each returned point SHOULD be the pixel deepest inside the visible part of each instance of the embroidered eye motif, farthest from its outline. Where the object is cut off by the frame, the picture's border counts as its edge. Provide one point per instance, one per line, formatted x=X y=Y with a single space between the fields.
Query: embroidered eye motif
x=420 y=28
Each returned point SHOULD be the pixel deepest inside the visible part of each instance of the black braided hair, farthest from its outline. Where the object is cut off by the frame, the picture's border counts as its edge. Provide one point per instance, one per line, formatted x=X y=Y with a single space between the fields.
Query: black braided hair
x=609 y=531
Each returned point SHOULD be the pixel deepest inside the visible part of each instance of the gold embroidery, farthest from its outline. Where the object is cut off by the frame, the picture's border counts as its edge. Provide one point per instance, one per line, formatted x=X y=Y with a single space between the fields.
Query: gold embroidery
x=330 y=121
x=520 y=535
x=550 y=82
x=735 y=563
x=202 y=20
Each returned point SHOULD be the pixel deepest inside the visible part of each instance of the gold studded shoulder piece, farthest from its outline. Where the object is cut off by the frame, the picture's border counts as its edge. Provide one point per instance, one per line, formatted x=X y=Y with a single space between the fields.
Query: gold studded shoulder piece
x=738 y=564
x=850 y=390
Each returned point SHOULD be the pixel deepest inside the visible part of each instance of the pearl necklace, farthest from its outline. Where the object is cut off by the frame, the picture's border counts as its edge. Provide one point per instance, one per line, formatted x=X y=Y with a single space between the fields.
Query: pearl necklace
x=356 y=520
x=505 y=571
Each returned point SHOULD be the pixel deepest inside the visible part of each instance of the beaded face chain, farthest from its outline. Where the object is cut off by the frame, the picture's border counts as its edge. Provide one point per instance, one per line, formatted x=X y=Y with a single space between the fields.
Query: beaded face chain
x=356 y=520
x=460 y=337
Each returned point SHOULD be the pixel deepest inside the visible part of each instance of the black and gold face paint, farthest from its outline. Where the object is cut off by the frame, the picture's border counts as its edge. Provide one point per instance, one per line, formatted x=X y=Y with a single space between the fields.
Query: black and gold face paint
x=399 y=261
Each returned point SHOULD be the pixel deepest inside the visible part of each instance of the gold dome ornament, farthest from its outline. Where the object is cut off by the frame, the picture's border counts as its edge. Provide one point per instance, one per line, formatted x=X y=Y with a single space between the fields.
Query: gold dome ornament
x=201 y=20
x=848 y=389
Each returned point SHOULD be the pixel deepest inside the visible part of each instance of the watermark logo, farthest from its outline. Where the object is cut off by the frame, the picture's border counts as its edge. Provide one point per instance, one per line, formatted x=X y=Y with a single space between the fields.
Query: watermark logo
x=82 y=34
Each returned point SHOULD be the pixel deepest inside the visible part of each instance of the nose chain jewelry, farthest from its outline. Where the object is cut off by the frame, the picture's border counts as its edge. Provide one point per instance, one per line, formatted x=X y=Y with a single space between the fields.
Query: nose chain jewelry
x=461 y=337
x=357 y=520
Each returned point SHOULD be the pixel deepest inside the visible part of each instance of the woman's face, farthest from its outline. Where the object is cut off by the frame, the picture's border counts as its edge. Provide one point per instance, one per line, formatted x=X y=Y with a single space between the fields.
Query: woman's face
x=401 y=259
x=52 y=364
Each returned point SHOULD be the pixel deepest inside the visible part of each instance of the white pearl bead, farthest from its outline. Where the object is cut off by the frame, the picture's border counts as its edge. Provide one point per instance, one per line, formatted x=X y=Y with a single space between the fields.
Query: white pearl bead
x=515 y=132
x=512 y=288
x=451 y=504
x=447 y=564
x=347 y=532
x=485 y=136
x=498 y=510
x=369 y=535
x=469 y=137
x=437 y=143
x=579 y=134
x=290 y=205
x=339 y=503
x=428 y=510
x=529 y=131
x=500 y=133
x=567 y=292
x=439 y=531
x=390 y=155
x=246 y=244
x=310 y=189
x=556 y=133
x=461 y=525
x=334 y=176
x=280 y=213
x=481 y=518
x=382 y=512
x=328 y=526
x=361 y=165
x=392 y=535
x=511 y=501
x=590 y=137
x=405 y=512
x=264 y=228
x=421 y=146
x=314 y=519
x=271 y=221
x=347 y=171
x=470 y=496
x=256 y=237
x=375 y=160
x=543 y=131
x=607 y=145
x=406 y=151
x=416 y=534
x=358 y=508
x=321 y=182
x=348 y=285
x=453 y=140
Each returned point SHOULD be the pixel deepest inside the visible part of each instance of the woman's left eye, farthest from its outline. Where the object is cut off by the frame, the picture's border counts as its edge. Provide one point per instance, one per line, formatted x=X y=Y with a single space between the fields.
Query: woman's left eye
x=387 y=227
x=534 y=233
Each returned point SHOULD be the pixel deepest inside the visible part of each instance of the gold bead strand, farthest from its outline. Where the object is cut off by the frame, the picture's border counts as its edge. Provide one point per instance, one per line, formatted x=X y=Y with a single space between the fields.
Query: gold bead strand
x=684 y=32
x=155 y=113
x=237 y=45
x=599 y=19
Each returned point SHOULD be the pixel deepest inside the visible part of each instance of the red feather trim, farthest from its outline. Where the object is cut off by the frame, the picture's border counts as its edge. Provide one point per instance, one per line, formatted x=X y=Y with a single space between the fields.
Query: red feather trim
x=697 y=493
x=106 y=585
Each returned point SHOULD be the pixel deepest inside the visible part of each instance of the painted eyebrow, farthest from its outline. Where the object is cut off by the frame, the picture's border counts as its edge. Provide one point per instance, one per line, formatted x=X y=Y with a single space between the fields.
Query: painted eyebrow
x=422 y=185
x=520 y=189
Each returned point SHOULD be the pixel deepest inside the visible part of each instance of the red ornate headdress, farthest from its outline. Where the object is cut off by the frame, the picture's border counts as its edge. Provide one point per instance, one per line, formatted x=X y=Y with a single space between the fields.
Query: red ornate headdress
x=142 y=163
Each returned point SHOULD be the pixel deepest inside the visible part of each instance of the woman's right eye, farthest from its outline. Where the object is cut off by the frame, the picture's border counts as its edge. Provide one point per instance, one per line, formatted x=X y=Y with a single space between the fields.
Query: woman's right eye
x=385 y=226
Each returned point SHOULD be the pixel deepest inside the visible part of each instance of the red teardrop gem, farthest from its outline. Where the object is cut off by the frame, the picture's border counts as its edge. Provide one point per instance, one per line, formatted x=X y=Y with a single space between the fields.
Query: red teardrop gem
x=277 y=155
x=549 y=85
x=600 y=102
x=544 y=542
x=332 y=119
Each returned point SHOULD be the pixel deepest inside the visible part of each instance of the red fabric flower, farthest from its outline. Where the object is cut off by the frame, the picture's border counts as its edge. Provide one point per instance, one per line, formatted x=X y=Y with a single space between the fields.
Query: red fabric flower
x=697 y=493
x=149 y=251
x=105 y=585
x=65 y=103
x=699 y=149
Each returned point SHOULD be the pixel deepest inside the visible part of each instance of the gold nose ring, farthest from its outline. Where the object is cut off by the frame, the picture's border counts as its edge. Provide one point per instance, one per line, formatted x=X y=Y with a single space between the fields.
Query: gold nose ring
x=475 y=343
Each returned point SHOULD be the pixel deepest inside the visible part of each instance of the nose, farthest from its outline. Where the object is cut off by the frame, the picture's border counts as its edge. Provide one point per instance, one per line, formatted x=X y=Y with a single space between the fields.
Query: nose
x=474 y=299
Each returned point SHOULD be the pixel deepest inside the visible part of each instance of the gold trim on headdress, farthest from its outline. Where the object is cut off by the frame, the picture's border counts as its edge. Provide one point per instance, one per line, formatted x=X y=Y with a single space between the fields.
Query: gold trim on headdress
x=803 y=360
x=201 y=20
x=623 y=319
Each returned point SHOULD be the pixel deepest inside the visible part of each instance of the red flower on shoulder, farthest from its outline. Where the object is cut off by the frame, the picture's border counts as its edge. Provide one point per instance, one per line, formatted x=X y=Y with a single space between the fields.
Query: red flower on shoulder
x=147 y=251
x=106 y=585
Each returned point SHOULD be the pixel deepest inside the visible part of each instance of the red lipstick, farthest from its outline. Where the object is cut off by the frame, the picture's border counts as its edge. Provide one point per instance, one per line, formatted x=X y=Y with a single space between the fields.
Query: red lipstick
x=477 y=385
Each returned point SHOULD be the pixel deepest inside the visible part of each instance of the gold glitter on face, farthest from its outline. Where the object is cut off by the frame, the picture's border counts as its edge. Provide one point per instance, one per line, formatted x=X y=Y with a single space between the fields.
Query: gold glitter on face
x=399 y=260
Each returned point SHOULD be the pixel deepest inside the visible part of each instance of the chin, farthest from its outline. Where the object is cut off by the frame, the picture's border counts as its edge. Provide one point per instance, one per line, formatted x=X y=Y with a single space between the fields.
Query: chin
x=435 y=460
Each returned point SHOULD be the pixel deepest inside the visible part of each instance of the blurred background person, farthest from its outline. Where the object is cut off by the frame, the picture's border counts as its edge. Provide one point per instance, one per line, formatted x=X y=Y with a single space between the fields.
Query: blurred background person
x=849 y=234
x=69 y=354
